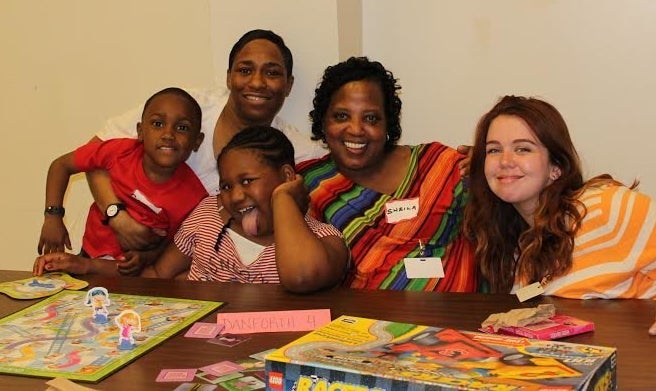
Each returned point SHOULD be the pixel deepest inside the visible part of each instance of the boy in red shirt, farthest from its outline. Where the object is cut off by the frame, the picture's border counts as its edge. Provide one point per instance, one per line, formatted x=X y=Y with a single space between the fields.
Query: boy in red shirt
x=148 y=174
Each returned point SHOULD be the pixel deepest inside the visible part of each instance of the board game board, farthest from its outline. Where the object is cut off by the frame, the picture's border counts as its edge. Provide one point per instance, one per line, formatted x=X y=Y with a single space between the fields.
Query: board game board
x=57 y=337
x=362 y=354
x=41 y=286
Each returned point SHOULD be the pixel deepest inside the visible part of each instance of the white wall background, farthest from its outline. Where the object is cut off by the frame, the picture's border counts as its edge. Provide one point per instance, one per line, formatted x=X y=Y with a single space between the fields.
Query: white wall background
x=70 y=64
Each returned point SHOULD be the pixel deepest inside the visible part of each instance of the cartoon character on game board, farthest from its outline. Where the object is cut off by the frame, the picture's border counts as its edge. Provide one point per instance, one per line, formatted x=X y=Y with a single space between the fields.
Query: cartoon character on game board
x=98 y=299
x=128 y=322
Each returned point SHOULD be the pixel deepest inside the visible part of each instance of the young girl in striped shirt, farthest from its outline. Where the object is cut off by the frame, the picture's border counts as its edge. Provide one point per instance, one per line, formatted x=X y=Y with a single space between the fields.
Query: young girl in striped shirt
x=256 y=229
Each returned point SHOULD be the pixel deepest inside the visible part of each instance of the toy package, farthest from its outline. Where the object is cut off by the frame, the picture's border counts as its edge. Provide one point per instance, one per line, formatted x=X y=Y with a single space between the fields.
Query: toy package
x=558 y=326
x=360 y=354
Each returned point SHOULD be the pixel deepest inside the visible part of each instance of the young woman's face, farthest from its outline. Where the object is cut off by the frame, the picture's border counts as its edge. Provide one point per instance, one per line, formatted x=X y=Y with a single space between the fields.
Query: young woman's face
x=517 y=165
x=246 y=186
x=356 y=126
x=258 y=82
x=168 y=133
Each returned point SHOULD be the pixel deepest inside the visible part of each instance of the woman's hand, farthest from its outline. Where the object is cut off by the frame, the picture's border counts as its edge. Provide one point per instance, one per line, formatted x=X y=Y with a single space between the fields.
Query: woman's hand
x=463 y=165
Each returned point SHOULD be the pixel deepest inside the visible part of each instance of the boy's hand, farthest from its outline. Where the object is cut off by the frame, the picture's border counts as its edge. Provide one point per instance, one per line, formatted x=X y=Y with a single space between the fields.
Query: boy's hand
x=297 y=190
x=60 y=261
x=463 y=165
x=135 y=261
x=131 y=265
x=54 y=236
x=133 y=235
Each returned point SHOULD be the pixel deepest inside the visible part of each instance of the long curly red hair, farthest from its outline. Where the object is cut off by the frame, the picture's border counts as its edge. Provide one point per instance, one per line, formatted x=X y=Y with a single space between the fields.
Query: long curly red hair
x=505 y=245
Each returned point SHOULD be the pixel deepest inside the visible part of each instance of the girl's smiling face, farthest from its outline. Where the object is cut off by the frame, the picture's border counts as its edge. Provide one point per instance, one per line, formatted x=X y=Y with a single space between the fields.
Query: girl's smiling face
x=246 y=185
x=517 y=164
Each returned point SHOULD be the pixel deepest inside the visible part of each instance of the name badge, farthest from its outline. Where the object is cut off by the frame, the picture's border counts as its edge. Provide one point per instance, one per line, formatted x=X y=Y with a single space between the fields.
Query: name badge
x=429 y=267
x=529 y=291
x=399 y=210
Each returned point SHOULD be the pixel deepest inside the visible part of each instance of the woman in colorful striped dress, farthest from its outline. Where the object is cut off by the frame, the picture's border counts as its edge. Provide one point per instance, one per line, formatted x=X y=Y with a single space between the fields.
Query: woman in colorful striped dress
x=399 y=207
x=533 y=219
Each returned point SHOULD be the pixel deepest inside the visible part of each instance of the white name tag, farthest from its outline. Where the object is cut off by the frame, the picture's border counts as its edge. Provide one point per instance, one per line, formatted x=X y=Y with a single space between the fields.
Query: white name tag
x=529 y=291
x=429 y=267
x=400 y=210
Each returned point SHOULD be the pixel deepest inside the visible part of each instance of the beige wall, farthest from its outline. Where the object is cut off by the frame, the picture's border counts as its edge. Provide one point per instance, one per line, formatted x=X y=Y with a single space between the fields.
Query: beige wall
x=68 y=65
x=593 y=59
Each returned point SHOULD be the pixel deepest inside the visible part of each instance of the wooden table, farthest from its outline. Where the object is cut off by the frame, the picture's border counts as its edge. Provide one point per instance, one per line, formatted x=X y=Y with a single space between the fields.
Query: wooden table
x=619 y=323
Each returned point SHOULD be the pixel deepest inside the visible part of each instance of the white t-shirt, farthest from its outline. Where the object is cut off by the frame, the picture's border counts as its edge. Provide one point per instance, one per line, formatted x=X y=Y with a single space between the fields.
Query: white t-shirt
x=211 y=101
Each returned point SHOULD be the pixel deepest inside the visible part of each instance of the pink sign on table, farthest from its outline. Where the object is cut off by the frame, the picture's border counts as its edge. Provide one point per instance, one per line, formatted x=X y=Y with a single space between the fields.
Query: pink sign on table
x=272 y=321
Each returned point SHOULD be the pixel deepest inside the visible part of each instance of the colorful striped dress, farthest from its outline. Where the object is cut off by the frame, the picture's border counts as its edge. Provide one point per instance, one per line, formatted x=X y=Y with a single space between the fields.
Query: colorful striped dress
x=615 y=248
x=378 y=248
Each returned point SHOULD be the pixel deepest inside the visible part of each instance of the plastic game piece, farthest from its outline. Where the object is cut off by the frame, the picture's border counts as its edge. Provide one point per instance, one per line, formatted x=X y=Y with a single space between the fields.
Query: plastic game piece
x=128 y=322
x=98 y=300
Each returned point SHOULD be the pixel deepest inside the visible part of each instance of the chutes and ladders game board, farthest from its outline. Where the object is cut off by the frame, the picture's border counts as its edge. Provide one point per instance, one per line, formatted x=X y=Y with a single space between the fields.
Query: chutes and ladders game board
x=59 y=337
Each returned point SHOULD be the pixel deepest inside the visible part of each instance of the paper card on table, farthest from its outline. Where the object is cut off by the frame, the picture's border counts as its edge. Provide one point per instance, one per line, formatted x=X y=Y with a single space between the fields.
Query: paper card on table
x=195 y=387
x=61 y=384
x=251 y=364
x=222 y=368
x=229 y=340
x=273 y=321
x=246 y=383
x=204 y=330
x=208 y=377
x=176 y=375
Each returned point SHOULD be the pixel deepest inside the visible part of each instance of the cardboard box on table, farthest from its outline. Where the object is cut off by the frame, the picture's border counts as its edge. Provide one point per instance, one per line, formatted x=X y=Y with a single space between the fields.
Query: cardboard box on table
x=358 y=354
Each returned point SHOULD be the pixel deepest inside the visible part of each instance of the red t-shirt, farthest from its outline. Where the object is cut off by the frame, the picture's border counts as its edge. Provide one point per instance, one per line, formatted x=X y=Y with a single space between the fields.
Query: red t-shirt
x=156 y=205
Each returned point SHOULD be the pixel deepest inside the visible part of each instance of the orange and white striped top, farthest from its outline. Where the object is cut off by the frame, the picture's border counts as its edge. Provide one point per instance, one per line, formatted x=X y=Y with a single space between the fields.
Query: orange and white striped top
x=615 y=248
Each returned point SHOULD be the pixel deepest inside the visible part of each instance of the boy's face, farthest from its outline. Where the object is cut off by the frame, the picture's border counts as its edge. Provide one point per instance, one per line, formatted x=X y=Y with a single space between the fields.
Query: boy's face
x=169 y=131
x=258 y=82
x=246 y=187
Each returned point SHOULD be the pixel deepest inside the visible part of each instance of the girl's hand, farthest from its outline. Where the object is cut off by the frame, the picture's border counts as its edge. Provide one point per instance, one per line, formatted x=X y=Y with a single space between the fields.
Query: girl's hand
x=297 y=190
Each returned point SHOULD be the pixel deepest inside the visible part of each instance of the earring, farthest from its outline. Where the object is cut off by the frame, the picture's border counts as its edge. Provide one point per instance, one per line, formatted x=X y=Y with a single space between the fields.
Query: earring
x=387 y=137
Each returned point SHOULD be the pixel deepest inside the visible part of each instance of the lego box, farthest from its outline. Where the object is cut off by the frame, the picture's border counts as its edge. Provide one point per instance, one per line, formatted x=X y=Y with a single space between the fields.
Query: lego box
x=359 y=354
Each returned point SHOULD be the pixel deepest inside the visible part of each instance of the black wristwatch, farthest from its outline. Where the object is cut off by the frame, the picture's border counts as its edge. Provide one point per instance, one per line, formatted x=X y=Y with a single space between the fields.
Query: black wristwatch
x=112 y=211
x=54 y=211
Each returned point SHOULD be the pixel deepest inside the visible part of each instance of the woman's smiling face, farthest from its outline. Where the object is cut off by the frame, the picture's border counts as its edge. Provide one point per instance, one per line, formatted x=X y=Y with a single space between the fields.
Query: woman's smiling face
x=355 y=126
x=517 y=164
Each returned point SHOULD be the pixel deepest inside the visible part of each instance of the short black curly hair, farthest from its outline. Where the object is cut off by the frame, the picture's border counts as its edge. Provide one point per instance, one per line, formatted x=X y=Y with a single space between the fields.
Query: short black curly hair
x=355 y=69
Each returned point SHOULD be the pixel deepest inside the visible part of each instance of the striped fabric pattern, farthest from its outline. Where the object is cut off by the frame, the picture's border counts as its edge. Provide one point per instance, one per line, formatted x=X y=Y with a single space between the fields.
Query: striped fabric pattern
x=615 y=249
x=197 y=238
x=378 y=248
